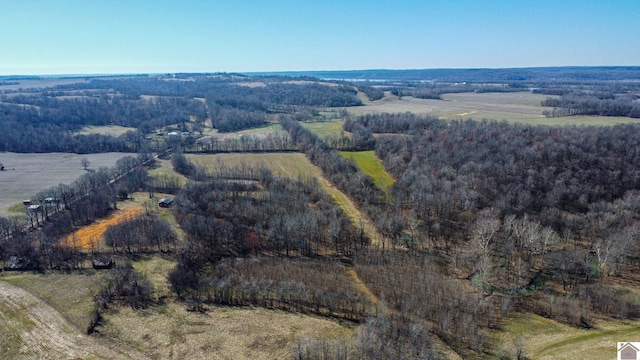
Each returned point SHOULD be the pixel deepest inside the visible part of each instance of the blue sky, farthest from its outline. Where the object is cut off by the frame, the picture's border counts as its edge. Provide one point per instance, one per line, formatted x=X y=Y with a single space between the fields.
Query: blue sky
x=140 y=36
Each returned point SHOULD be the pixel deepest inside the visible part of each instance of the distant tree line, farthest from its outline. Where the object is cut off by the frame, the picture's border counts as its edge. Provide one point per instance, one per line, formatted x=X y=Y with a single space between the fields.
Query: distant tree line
x=603 y=104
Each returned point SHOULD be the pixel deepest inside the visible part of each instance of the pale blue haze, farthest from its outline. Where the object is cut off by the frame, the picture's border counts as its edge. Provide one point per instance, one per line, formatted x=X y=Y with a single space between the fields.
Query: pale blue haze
x=118 y=36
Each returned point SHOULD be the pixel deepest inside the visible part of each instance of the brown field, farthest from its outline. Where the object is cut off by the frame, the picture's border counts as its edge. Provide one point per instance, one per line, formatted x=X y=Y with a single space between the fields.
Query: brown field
x=514 y=107
x=33 y=329
x=27 y=174
x=89 y=236
x=171 y=332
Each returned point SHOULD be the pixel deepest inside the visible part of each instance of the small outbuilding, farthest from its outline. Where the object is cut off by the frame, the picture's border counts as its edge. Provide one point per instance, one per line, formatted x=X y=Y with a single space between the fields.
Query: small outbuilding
x=18 y=263
x=165 y=202
x=103 y=263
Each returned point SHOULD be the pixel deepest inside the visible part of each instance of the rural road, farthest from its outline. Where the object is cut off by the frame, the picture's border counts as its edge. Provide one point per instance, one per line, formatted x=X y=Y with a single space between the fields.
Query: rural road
x=31 y=329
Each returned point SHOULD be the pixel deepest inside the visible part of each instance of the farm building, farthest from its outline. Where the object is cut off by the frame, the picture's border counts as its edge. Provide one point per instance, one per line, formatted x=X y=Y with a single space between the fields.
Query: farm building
x=17 y=263
x=103 y=263
x=165 y=202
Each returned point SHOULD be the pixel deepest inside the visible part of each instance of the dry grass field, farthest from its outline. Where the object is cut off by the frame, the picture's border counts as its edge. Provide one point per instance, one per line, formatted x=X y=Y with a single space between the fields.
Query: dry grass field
x=44 y=316
x=27 y=174
x=89 y=237
x=33 y=328
x=513 y=107
x=284 y=164
x=113 y=130
x=171 y=332
x=326 y=128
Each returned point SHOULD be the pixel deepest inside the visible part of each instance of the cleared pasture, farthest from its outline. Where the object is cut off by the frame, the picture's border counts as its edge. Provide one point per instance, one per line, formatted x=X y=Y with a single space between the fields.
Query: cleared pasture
x=283 y=164
x=369 y=164
x=35 y=327
x=521 y=107
x=326 y=128
x=172 y=332
x=27 y=174
x=113 y=130
x=543 y=338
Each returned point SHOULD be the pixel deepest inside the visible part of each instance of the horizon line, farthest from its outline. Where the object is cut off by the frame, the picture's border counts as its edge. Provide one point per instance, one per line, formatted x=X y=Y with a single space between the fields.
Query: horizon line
x=107 y=74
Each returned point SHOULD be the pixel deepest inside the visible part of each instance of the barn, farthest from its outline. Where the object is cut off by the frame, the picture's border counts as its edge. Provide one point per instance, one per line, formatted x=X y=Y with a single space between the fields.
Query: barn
x=165 y=202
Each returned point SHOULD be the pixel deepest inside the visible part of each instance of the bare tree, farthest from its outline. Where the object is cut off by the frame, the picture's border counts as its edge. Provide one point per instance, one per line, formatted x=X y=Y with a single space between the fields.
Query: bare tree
x=85 y=163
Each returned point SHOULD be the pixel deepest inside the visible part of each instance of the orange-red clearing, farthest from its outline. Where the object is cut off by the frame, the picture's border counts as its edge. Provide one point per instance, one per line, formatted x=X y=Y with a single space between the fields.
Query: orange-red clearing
x=89 y=236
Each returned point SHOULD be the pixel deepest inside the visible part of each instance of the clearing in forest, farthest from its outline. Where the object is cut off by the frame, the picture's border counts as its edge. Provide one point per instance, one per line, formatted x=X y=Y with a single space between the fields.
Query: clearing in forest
x=113 y=130
x=369 y=164
x=283 y=164
x=326 y=128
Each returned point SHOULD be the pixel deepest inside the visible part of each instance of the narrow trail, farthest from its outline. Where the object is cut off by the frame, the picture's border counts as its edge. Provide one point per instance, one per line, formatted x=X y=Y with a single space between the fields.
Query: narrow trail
x=362 y=287
x=31 y=329
x=358 y=218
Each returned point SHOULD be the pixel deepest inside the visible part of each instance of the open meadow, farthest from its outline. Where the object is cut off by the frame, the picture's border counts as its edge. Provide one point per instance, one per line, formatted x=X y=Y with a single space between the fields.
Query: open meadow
x=27 y=174
x=284 y=164
x=372 y=166
x=523 y=107
x=113 y=130
x=326 y=128
x=44 y=316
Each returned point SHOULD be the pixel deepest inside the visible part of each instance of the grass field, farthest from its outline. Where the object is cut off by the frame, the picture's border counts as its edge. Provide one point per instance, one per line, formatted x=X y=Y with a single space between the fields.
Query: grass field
x=513 y=107
x=27 y=174
x=546 y=339
x=165 y=331
x=259 y=131
x=372 y=166
x=171 y=332
x=326 y=128
x=284 y=164
x=113 y=130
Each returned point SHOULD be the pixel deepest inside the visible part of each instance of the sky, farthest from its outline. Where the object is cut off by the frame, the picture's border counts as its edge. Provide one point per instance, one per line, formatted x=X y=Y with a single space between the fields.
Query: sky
x=47 y=37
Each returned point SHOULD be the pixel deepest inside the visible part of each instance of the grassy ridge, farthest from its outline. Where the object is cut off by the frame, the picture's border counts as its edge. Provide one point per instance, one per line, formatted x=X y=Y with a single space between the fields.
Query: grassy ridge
x=372 y=166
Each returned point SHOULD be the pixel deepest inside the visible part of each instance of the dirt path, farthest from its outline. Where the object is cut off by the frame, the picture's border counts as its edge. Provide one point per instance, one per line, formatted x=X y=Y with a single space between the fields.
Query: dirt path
x=31 y=329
